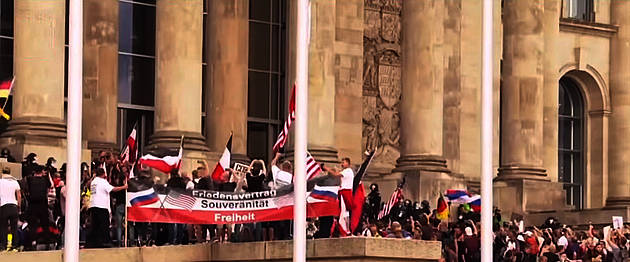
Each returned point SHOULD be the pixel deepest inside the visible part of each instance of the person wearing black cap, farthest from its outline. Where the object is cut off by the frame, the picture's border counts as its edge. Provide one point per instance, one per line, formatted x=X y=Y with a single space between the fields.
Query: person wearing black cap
x=9 y=208
x=29 y=163
x=38 y=186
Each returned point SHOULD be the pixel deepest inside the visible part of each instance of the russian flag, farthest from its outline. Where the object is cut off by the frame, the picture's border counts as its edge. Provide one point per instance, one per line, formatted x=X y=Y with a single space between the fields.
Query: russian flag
x=328 y=193
x=224 y=162
x=475 y=204
x=458 y=196
x=164 y=164
x=144 y=197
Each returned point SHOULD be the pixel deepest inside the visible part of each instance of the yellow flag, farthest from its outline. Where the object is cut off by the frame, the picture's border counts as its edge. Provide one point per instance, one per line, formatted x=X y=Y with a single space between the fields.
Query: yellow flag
x=5 y=115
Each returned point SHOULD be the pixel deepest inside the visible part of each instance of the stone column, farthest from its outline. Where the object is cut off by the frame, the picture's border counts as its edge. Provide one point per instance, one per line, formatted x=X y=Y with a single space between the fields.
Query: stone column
x=321 y=82
x=100 y=74
x=619 y=176
x=227 y=37
x=421 y=107
x=178 y=78
x=522 y=91
x=522 y=184
x=38 y=113
x=551 y=28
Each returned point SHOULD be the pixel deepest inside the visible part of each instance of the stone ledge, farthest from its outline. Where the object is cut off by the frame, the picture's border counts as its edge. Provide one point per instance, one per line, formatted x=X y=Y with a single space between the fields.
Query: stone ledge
x=588 y=28
x=335 y=249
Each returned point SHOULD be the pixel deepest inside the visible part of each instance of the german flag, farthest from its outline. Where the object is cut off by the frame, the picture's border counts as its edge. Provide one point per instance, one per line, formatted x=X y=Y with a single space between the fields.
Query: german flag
x=5 y=88
x=442 y=208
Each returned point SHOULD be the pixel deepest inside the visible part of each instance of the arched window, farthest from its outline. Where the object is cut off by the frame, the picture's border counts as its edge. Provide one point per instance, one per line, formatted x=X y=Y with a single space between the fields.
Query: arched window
x=571 y=141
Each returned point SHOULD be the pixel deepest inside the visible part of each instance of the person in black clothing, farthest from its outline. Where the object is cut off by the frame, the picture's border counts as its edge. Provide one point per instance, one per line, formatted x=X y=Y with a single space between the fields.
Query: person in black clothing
x=255 y=183
x=118 y=179
x=5 y=153
x=256 y=176
x=205 y=183
x=176 y=231
x=374 y=203
x=39 y=222
x=28 y=165
x=225 y=186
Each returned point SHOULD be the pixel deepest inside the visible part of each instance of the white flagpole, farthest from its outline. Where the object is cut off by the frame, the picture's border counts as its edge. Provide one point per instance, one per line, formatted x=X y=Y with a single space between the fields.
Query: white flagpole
x=75 y=100
x=486 y=132
x=301 y=124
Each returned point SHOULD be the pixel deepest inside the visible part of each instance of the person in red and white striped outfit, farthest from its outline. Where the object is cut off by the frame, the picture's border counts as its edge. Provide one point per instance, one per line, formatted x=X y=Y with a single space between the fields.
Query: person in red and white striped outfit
x=347 y=179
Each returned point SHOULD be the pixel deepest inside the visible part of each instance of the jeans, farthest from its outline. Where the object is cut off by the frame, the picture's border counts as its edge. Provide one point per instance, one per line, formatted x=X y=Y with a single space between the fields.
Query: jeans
x=119 y=218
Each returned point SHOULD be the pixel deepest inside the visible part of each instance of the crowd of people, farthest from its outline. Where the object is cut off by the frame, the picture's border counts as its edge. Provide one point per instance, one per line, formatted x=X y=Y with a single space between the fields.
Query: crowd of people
x=32 y=215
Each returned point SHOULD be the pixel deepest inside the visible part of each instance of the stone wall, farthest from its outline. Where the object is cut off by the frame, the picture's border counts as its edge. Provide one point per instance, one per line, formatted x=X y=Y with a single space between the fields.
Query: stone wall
x=348 y=77
x=382 y=81
x=345 y=249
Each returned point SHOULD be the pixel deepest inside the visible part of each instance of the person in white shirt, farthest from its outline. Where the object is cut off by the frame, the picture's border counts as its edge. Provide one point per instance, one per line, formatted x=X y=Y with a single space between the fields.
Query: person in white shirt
x=347 y=180
x=10 y=199
x=100 y=208
x=281 y=175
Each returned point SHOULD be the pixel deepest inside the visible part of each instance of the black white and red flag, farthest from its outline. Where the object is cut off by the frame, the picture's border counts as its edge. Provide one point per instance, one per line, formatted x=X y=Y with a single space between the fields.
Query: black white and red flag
x=165 y=163
x=224 y=162
x=130 y=152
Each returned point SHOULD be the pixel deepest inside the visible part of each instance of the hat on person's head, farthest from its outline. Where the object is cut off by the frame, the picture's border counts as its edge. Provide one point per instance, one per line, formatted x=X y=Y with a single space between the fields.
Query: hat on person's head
x=468 y=231
x=529 y=233
x=31 y=156
x=6 y=170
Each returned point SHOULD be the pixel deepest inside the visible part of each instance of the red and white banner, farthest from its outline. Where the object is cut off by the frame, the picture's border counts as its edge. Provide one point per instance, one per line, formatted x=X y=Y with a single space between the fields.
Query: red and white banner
x=212 y=207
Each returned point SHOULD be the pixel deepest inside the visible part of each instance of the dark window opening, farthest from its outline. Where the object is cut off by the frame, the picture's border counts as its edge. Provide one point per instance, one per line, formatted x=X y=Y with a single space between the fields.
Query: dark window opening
x=266 y=76
x=582 y=10
x=571 y=141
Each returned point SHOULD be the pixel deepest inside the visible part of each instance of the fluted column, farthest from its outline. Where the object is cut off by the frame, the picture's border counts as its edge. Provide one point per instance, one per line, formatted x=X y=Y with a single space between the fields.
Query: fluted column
x=550 y=79
x=100 y=74
x=421 y=107
x=178 y=76
x=227 y=37
x=619 y=176
x=522 y=91
x=321 y=82
x=38 y=112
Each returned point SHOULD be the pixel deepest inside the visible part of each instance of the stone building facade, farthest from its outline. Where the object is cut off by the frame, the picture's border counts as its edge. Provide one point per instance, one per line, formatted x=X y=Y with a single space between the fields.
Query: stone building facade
x=400 y=76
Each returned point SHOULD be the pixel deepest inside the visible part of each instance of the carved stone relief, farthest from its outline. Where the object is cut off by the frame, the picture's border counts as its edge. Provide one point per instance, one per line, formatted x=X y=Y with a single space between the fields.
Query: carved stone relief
x=382 y=80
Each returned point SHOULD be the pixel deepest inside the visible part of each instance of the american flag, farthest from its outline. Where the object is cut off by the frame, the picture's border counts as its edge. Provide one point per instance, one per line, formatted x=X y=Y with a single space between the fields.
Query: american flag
x=312 y=167
x=284 y=134
x=392 y=202
x=180 y=200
